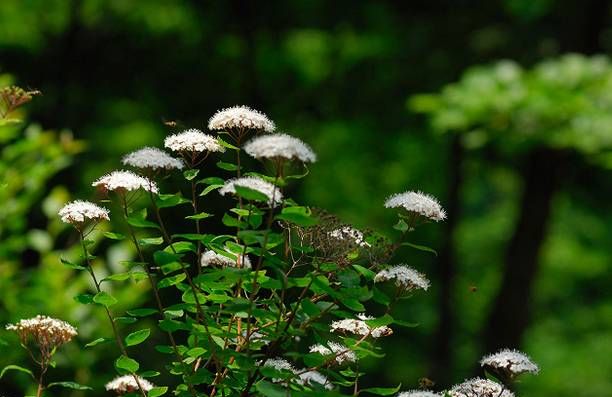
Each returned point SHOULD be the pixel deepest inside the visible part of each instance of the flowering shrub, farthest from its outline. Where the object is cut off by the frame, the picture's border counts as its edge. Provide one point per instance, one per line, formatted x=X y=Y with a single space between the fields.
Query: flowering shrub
x=276 y=306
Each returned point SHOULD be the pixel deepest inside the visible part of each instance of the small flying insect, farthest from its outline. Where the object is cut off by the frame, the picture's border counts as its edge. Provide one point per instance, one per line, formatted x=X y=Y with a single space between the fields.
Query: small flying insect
x=170 y=123
x=426 y=383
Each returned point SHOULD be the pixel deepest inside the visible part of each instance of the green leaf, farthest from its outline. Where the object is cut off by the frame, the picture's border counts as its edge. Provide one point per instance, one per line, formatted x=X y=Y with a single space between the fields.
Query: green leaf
x=141 y=223
x=380 y=321
x=181 y=247
x=142 y=312
x=171 y=280
x=114 y=236
x=310 y=308
x=15 y=368
x=117 y=277
x=210 y=189
x=382 y=391
x=69 y=385
x=230 y=221
x=126 y=365
x=170 y=200
x=104 y=299
x=190 y=174
x=71 y=265
x=125 y=320
x=205 y=238
x=157 y=391
x=196 y=352
x=365 y=272
x=172 y=325
x=270 y=390
x=212 y=180
x=301 y=216
x=421 y=248
x=401 y=225
x=227 y=166
x=85 y=299
x=136 y=338
x=227 y=145
x=149 y=374
x=201 y=215
x=250 y=194
x=353 y=304
x=97 y=342
x=151 y=241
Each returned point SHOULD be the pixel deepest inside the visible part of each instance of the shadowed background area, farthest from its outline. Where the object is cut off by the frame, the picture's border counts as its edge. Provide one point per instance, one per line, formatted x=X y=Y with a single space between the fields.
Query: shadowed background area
x=524 y=258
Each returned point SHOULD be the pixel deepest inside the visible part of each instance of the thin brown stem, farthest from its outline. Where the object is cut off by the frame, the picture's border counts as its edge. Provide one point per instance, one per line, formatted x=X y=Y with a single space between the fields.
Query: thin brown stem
x=41 y=387
x=199 y=312
x=108 y=313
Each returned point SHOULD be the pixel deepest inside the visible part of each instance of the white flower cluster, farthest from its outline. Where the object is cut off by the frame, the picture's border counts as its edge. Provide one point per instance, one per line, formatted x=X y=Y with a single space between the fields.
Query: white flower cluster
x=125 y=180
x=240 y=117
x=210 y=257
x=275 y=197
x=127 y=384
x=418 y=203
x=152 y=158
x=418 y=393
x=193 y=140
x=512 y=361
x=282 y=146
x=479 y=387
x=342 y=353
x=304 y=377
x=360 y=327
x=349 y=233
x=279 y=364
x=404 y=276
x=77 y=212
x=310 y=377
x=45 y=331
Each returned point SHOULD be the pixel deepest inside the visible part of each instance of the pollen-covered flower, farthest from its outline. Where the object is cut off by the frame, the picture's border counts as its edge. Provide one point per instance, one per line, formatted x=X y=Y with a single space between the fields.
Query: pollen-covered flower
x=273 y=194
x=341 y=352
x=46 y=332
x=418 y=203
x=310 y=377
x=125 y=180
x=280 y=146
x=279 y=364
x=509 y=363
x=193 y=140
x=152 y=158
x=360 y=327
x=418 y=393
x=404 y=277
x=351 y=234
x=78 y=212
x=240 y=117
x=210 y=257
x=127 y=384
x=479 y=387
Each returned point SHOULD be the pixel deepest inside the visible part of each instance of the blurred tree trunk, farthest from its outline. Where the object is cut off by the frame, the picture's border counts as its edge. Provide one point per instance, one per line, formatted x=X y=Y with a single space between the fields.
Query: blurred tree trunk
x=510 y=312
x=442 y=355
x=509 y=316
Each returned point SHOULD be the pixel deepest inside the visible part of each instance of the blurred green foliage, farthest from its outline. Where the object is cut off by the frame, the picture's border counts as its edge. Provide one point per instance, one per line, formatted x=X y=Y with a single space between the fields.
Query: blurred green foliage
x=340 y=73
x=560 y=103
